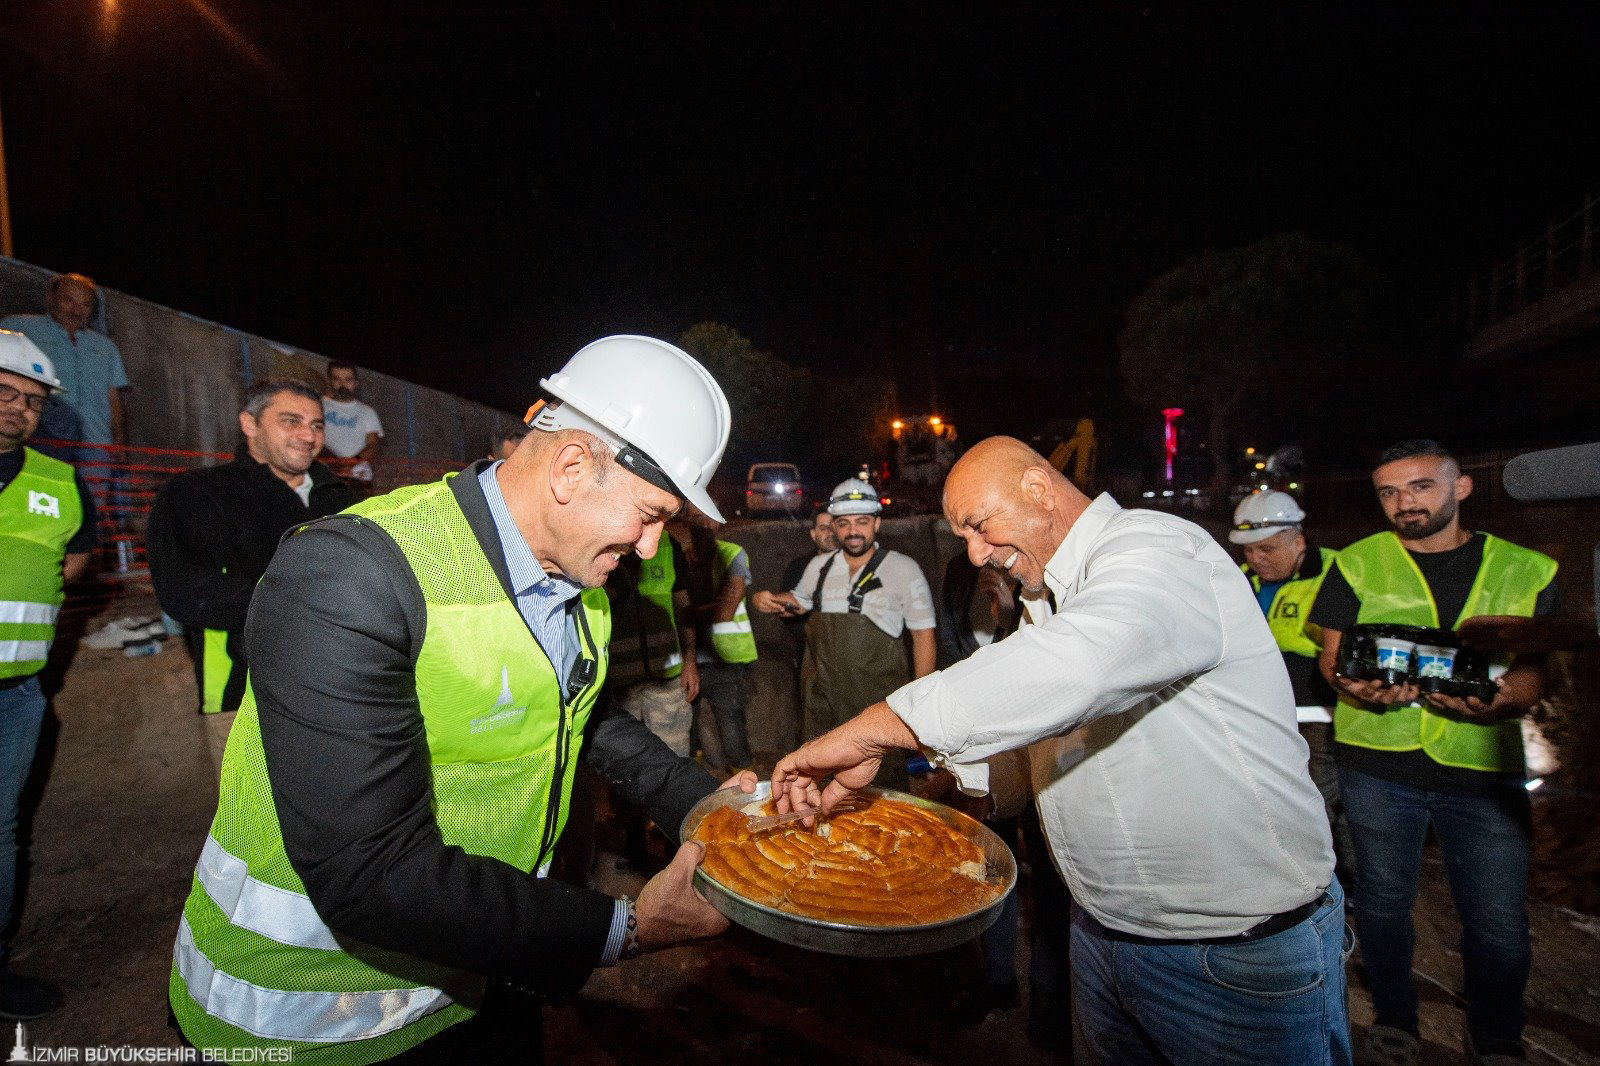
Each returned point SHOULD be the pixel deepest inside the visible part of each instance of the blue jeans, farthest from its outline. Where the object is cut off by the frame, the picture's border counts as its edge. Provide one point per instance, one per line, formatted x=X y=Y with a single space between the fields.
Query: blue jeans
x=21 y=714
x=1485 y=841
x=1278 y=1000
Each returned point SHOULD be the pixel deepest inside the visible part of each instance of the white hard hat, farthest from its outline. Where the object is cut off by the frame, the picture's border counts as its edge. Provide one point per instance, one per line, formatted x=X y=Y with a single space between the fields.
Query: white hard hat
x=854 y=497
x=1264 y=514
x=662 y=412
x=20 y=355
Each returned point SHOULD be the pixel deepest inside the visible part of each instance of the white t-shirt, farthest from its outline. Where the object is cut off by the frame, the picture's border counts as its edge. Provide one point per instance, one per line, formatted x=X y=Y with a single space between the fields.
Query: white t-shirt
x=346 y=424
x=903 y=600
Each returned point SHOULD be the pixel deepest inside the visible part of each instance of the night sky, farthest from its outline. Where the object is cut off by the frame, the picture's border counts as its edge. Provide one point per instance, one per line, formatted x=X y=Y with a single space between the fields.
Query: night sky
x=463 y=193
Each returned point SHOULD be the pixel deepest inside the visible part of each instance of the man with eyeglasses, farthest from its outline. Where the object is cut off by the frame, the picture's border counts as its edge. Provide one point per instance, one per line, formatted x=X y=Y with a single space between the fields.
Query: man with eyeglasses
x=46 y=533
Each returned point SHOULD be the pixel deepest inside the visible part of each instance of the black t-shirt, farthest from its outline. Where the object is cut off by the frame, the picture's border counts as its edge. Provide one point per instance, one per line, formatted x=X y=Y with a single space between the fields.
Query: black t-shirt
x=83 y=539
x=1449 y=575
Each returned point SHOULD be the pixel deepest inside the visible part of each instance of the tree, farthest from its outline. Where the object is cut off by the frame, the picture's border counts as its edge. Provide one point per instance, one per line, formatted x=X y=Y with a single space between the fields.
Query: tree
x=1279 y=319
x=770 y=399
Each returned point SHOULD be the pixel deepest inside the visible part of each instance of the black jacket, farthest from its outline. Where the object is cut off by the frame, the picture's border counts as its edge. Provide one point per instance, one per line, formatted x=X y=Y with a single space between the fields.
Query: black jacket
x=212 y=533
x=334 y=634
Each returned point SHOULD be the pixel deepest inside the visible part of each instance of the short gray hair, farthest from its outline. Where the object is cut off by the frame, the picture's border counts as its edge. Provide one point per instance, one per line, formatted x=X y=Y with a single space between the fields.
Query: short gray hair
x=262 y=392
x=604 y=454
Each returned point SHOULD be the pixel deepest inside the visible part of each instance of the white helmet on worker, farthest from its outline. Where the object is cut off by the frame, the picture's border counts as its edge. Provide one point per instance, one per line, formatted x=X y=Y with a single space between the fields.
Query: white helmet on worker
x=1264 y=514
x=854 y=497
x=20 y=355
x=660 y=410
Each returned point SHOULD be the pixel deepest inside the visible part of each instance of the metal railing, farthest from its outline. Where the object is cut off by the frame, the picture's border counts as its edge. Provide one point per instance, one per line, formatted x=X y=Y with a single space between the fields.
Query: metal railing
x=1563 y=255
x=125 y=480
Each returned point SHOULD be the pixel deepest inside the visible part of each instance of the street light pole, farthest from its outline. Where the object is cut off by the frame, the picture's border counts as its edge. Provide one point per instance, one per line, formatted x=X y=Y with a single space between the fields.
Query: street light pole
x=5 y=199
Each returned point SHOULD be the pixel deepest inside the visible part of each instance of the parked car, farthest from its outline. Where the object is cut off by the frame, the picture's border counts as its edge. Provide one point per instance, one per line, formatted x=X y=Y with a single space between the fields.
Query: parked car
x=774 y=488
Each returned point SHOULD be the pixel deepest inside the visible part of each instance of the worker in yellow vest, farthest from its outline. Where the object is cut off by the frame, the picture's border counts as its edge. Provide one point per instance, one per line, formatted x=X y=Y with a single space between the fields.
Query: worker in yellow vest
x=1286 y=570
x=46 y=533
x=654 y=675
x=724 y=639
x=423 y=678
x=1407 y=762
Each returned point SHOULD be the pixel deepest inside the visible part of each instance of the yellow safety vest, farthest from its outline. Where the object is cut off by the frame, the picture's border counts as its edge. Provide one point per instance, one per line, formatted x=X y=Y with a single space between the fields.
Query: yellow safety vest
x=39 y=514
x=1290 y=613
x=644 y=642
x=734 y=641
x=1391 y=589
x=254 y=965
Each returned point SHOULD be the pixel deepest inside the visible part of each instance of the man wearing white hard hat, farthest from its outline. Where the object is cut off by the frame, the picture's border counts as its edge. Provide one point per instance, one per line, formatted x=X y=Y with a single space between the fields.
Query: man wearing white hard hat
x=424 y=668
x=46 y=533
x=1286 y=571
x=861 y=598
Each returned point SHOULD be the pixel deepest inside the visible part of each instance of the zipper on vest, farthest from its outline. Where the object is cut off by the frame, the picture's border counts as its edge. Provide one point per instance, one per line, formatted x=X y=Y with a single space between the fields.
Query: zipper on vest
x=563 y=727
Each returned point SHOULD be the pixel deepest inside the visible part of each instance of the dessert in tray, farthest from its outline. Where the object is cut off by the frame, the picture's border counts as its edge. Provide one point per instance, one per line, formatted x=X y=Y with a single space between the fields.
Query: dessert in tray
x=886 y=863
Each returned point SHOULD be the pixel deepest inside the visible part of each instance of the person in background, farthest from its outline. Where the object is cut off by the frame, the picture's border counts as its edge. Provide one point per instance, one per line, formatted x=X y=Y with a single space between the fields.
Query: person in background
x=859 y=600
x=794 y=624
x=1207 y=924
x=979 y=606
x=213 y=531
x=89 y=363
x=654 y=675
x=725 y=642
x=507 y=442
x=1286 y=571
x=46 y=534
x=1408 y=761
x=351 y=429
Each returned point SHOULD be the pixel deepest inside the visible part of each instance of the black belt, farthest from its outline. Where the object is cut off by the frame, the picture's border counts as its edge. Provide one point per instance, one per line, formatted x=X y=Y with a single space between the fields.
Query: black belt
x=1266 y=927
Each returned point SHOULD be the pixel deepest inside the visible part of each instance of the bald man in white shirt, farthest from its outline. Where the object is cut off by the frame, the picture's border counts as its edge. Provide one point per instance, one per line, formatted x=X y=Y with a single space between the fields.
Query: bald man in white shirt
x=1169 y=775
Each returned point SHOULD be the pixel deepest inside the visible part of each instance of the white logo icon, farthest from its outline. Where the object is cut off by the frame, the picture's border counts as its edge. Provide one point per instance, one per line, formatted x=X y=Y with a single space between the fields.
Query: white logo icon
x=43 y=503
x=20 y=1052
x=504 y=713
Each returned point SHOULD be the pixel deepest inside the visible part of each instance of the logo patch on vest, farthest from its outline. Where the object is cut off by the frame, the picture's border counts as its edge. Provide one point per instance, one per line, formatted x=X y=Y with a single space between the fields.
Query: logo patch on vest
x=503 y=714
x=43 y=503
x=1288 y=610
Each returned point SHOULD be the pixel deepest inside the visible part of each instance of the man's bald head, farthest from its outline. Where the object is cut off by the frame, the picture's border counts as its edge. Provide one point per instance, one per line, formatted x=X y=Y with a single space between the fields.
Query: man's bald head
x=1011 y=507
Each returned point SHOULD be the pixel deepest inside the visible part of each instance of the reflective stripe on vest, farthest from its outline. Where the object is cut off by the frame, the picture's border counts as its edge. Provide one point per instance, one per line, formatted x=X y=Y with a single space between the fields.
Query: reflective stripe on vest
x=1391 y=589
x=276 y=913
x=645 y=638
x=733 y=641
x=40 y=512
x=273 y=1014
x=25 y=613
x=1291 y=610
x=254 y=965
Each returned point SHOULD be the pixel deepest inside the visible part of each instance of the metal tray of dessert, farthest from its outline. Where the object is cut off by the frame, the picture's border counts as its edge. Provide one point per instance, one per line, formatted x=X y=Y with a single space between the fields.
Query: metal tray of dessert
x=867 y=941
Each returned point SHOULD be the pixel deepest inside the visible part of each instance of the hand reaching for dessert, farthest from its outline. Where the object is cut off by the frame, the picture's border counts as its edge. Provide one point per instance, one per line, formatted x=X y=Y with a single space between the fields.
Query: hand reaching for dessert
x=851 y=753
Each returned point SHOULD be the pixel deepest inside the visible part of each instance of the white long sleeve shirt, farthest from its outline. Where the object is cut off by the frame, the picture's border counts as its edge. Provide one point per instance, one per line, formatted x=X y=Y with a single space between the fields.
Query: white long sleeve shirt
x=1169 y=774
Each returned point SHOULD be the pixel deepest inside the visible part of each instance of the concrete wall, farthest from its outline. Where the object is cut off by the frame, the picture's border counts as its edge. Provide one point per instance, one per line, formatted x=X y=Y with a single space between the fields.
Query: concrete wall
x=189 y=377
